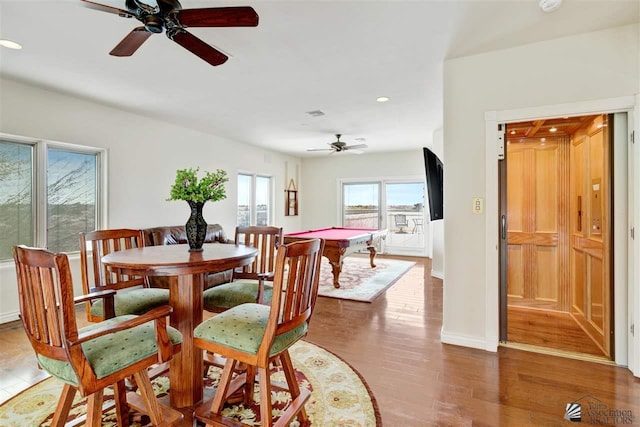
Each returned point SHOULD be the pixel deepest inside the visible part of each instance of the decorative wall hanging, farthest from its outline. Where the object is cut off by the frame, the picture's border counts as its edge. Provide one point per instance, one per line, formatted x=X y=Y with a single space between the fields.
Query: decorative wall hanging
x=291 y=199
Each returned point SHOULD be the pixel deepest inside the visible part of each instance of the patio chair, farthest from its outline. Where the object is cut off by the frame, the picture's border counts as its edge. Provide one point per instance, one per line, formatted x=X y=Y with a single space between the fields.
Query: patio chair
x=401 y=222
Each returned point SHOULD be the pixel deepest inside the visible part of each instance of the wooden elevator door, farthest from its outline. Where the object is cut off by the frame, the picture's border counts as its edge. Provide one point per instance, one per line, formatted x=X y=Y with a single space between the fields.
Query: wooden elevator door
x=537 y=223
x=590 y=233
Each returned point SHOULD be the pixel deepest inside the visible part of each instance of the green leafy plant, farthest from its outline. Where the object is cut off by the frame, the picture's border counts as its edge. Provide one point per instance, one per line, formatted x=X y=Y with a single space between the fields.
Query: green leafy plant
x=209 y=188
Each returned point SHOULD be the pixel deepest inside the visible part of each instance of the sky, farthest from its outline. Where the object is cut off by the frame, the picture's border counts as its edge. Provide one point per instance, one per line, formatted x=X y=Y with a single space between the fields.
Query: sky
x=396 y=193
x=408 y=193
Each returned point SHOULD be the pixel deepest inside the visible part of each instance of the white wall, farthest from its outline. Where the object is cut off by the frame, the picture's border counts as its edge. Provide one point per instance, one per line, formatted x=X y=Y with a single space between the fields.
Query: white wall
x=320 y=177
x=586 y=67
x=143 y=157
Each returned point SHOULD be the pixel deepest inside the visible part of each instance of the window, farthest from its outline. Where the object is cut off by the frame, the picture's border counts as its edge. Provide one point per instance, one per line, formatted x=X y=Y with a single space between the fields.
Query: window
x=361 y=205
x=49 y=192
x=254 y=199
x=394 y=204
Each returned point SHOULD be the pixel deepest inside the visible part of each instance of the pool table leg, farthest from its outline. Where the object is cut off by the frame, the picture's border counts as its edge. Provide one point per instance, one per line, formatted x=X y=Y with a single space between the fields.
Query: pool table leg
x=372 y=255
x=336 y=267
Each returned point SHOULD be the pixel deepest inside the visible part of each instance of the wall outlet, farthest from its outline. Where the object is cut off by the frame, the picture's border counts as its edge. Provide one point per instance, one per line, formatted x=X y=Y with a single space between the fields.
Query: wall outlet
x=478 y=205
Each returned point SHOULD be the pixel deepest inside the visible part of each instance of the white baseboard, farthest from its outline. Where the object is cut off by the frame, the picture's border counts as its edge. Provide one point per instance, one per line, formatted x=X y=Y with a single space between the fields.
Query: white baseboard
x=9 y=317
x=437 y=274
x=469 y=341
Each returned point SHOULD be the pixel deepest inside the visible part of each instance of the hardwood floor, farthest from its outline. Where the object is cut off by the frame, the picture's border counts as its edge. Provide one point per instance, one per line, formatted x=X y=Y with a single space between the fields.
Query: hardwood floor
x=550 y=329
x=394 y=343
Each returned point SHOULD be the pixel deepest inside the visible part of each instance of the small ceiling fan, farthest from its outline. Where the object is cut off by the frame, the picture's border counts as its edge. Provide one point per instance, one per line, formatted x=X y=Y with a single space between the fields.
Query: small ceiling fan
x=339 y=146
x=169 y=16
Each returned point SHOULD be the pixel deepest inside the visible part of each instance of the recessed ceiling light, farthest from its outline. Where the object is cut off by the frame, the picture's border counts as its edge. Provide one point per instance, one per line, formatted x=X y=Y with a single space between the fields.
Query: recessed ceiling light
x=382 y=98
x=513 y=132
x=9 y=44
x=553 y=129
x=549 y=5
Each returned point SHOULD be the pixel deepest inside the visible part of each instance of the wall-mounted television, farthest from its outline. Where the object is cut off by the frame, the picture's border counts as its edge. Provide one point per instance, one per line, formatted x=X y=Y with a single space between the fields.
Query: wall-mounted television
x=435 y=183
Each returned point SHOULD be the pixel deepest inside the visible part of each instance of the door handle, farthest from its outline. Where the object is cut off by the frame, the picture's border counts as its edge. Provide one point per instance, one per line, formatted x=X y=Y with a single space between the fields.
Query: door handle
x=503 y=226
x=579 y=225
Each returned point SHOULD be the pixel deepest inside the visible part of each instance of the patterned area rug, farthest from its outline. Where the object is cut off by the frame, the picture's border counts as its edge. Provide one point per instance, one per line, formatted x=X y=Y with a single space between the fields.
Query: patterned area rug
x=339 y=396
x=360 y=282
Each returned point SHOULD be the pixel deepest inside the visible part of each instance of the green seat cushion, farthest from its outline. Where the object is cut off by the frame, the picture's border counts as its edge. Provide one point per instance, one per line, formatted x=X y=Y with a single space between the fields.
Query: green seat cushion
x=235 y=293
x=242 y=328
x=110 y=353
x=134 y=301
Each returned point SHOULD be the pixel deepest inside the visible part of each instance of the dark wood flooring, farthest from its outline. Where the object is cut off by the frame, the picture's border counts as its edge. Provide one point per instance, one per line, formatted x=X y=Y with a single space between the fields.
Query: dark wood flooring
x=394 y=343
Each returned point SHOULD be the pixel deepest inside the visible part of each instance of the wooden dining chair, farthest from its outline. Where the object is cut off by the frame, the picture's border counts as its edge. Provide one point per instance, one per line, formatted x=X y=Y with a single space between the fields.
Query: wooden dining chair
x=100 y=355
x=257 y=334
x=250 y=283
x=134 y=296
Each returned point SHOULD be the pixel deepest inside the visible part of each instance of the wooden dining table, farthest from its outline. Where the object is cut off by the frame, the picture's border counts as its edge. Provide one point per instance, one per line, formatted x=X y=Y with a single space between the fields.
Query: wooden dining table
x=188 y=271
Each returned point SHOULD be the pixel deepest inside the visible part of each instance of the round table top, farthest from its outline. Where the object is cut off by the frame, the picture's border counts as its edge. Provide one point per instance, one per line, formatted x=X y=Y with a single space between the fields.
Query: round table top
x=176 y=259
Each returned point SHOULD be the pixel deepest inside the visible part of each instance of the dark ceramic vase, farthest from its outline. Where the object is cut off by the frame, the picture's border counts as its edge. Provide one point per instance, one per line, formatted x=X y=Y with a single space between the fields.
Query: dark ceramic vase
x=196 y=227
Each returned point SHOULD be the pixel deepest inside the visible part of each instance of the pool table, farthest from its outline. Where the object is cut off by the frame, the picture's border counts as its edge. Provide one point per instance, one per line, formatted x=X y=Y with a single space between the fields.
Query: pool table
x=340 y=242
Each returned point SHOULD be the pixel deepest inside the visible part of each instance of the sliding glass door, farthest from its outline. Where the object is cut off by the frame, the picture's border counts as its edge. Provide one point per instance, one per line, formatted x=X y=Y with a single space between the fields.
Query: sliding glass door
x=405 y=217
x=397 y=205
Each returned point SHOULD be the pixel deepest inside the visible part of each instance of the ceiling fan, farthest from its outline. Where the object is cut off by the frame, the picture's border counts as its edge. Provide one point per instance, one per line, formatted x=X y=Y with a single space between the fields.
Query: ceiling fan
x=169 y=16
x=339 y=146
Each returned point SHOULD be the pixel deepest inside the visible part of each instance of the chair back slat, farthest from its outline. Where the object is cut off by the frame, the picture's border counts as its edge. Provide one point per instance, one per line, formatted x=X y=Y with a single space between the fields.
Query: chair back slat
x=295 y=286
x=49 y=299
x=45 y=291
x=266 y=240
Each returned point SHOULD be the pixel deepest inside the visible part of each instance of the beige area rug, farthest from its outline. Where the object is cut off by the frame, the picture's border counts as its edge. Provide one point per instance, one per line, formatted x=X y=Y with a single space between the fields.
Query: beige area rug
x=360 y=282
x=339 y=395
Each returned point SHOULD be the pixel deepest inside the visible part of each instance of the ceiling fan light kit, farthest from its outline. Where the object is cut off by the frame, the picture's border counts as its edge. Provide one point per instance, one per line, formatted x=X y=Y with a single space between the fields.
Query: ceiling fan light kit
x=549 y=5
x=338 y=146
x=169 y=16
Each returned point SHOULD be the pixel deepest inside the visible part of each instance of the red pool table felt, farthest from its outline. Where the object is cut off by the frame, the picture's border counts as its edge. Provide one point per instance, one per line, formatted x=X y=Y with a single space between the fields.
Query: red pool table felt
x=334 y=233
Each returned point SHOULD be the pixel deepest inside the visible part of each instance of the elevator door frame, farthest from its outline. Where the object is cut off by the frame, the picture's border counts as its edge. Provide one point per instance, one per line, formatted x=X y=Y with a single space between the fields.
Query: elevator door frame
x=626 y=355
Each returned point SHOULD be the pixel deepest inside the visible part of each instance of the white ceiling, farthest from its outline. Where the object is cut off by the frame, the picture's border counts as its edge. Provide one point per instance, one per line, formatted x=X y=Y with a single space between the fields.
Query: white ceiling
x=333 y=56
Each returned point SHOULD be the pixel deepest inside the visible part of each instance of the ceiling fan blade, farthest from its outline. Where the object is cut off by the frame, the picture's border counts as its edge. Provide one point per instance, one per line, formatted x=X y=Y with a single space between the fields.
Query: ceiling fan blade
x=107 y=8
x=199 y=48
x=320 y=149
x=357 y=146
x=243 y=16
x=131 y=42
x=355 y=151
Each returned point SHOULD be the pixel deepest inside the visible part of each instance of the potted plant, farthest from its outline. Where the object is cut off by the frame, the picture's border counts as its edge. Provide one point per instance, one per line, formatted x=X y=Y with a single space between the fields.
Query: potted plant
x=196 y=192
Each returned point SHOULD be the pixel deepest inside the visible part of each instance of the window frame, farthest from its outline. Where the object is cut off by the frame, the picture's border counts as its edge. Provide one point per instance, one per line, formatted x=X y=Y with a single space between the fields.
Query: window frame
x=253 y=207
x=39 y=197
